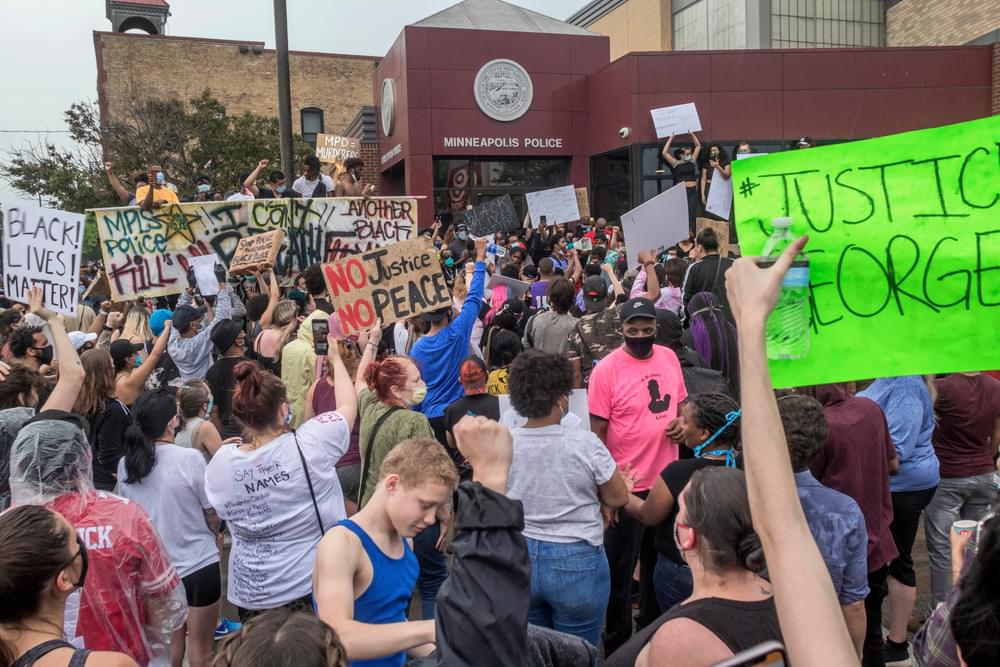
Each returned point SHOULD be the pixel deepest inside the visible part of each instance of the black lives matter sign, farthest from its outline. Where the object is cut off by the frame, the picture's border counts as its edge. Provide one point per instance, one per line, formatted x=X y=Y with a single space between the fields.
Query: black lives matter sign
x=41 y=248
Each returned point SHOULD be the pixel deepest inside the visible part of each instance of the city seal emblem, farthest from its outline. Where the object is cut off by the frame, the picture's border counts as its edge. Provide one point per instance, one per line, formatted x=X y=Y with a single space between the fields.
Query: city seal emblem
x=388 y=106
x=503 y=90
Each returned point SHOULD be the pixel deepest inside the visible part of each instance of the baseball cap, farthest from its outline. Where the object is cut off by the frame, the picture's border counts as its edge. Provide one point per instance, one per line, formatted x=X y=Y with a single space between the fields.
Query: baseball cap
x=121 y=350
x=79 y=339
x=225 y=334
x=530 y=271
x=185 y=315
x=435 y=315
x=158 y=318
x=638 y=307
x=595 y=294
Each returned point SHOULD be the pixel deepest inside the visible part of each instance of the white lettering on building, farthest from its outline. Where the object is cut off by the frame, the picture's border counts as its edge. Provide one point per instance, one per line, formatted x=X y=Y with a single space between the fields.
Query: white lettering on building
x=503 y=142
x=393 y=152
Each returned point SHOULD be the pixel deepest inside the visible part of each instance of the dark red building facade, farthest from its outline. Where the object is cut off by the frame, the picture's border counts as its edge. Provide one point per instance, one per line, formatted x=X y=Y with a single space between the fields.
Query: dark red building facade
x=439 y=136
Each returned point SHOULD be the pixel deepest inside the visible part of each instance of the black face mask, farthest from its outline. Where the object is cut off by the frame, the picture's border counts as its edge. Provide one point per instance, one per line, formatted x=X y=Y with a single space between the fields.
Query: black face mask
x=84 y=562
x=44 y=354
x=640 y=346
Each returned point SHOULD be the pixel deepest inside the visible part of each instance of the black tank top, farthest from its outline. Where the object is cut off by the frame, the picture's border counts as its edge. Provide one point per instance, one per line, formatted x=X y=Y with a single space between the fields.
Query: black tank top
x=685 y=171
x=738 y=625
x=35 y=654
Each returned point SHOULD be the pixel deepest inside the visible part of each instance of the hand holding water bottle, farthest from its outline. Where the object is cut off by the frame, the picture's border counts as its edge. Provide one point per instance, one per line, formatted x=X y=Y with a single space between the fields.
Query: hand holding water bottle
x=754 y=291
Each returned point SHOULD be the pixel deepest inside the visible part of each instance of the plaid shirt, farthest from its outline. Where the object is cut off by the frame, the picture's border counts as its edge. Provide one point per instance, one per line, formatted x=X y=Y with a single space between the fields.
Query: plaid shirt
x=934 y=644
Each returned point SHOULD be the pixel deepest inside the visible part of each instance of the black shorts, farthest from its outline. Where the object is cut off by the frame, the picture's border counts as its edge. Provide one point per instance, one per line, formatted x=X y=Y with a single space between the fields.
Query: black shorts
x=203 y=587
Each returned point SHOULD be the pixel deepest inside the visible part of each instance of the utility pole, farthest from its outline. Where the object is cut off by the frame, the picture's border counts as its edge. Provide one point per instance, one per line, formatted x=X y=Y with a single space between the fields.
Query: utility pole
x=284 y=90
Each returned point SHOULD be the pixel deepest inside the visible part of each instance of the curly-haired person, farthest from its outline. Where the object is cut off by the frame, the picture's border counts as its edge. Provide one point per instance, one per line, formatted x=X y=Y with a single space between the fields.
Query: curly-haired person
x=570 y=578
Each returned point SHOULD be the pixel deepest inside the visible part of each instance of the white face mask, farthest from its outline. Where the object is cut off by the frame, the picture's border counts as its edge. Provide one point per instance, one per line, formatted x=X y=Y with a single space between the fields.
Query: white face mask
x=687 y=158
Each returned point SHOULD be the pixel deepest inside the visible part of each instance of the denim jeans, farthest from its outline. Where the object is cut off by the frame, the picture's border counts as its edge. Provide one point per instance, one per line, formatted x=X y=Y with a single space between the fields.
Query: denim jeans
x=955 y=498
x=433 y=569
x=570 y=584
x=672 y=582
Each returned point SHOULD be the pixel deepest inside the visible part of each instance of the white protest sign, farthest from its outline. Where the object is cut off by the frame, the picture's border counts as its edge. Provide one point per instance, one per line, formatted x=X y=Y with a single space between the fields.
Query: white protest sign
x=678 y=119
x=558 y=205
x=656 y=224
x=747 y=156
x=41 y=247
x=577 y=417
x=720 y=196
x=204 y=273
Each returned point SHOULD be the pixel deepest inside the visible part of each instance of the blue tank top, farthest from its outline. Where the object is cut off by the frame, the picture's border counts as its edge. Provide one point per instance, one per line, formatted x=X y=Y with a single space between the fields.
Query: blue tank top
x=388 y=596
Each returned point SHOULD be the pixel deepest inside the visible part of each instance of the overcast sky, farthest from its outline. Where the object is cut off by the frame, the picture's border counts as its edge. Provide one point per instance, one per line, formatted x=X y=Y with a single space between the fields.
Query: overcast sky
x=48 y=48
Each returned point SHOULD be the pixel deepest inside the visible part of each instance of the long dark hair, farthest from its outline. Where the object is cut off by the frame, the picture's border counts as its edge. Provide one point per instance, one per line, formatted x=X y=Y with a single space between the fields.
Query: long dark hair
x=32 y=552
x=150 y=415
x=718 y=510
x=270 y=638
x=715 y=336
x=975 y=620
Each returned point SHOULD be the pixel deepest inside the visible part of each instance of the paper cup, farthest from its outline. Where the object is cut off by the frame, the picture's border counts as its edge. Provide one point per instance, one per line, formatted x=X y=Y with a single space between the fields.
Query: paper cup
x=964 y=527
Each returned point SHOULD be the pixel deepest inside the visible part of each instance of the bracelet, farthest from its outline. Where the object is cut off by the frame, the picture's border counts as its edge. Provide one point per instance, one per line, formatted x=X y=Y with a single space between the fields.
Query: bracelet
x=373 y=344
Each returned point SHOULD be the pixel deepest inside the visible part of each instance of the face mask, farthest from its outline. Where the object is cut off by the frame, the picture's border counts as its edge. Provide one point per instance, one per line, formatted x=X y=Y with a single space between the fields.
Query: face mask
x=419 y=394
x=687 y=158
x=160 y=178
x=743 y=151
x=208 y=407
x=640 y=346
x=204 y=187
x=44 y=354
x=461 y=236
x=288 y=416
x=280 y=189
x=449 y=262
x=84 y=562
x=138 y=360
x=715 y=156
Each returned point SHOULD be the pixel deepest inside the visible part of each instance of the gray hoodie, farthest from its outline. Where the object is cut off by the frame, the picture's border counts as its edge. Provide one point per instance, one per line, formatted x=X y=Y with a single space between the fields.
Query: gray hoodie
x=193 y=355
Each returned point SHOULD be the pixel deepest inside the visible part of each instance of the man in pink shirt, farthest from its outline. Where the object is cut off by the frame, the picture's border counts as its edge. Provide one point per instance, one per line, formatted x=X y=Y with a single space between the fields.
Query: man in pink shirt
x=633 y=397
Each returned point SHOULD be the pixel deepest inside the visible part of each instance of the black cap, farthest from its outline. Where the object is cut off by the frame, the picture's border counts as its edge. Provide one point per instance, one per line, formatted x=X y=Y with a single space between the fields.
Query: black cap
x=225 y=333
x=638 y=307
x=530 y=271
x=595 y=294
x=121 y=350
x=185 y=315
x=436 y=315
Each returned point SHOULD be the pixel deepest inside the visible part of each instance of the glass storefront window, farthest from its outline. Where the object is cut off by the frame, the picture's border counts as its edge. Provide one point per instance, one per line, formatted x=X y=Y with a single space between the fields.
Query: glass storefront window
x=459 y=182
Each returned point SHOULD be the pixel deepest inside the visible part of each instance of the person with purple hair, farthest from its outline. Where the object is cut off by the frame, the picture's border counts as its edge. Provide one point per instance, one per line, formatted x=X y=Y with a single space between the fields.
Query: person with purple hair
x=713 y=336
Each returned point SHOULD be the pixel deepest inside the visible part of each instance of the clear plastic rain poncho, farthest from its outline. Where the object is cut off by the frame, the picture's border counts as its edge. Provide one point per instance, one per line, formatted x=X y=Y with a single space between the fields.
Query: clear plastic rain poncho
x=132 y=598
x=11 y=421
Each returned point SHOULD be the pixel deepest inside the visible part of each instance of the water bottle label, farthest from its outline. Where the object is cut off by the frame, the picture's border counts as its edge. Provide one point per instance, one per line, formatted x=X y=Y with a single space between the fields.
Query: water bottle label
x=797 y=276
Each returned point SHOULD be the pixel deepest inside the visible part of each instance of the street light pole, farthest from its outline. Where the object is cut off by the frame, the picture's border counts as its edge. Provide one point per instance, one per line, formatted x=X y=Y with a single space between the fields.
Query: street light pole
x=284 y=89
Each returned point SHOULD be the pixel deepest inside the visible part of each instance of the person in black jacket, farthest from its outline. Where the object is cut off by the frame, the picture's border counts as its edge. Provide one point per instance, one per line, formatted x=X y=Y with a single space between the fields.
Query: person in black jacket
x=708 y=274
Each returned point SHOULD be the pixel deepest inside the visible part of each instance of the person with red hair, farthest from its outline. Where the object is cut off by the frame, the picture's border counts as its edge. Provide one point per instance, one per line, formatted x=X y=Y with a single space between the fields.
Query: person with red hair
x=472 y=374
x=278 y=489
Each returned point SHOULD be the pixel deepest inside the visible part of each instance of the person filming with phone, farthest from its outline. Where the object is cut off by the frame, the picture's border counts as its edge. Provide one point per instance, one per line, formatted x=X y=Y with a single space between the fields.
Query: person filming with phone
x=156 y=194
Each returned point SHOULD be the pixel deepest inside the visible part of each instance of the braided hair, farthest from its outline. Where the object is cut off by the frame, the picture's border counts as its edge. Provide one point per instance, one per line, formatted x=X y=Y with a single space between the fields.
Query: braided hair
x=715 y=336
x=710 y=411
x=282 y=637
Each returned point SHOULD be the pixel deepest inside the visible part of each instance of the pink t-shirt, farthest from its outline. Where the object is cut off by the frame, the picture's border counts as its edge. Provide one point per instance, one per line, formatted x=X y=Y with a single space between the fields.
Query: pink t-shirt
x=639 y=398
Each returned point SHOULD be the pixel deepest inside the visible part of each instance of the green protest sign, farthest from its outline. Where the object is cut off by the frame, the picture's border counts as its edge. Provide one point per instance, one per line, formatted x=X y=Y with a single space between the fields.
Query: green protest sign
x=904 y=249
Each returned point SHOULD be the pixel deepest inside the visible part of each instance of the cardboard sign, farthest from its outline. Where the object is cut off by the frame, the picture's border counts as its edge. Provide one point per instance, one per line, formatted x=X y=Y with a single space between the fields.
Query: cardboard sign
x=496 y=215
x=334 y=149
x=678 y=119
x=257 y=252
x=147 y=252
x=41 y=247
x=656 y=224
x=904 y=249
x=558 y=205
x=514 y=286
x=720 y=196
x=583 y=202
x=391 y=284
x=721 y=228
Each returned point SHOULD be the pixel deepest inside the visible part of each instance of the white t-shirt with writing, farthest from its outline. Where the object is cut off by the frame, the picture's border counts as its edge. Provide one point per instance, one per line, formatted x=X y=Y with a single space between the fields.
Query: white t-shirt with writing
x=264 y=498
x=305 y=187
x=173 y=495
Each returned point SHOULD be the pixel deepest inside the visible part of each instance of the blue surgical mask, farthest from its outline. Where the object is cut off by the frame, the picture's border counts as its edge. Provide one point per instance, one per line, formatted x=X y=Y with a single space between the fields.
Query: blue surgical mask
x=687 y=158
x=208 y=408
x=280 y=189
x=204 y=187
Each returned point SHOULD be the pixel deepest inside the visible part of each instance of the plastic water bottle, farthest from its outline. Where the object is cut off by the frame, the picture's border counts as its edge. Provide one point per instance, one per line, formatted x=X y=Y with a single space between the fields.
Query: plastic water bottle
x=788 y=326
x=497 y=250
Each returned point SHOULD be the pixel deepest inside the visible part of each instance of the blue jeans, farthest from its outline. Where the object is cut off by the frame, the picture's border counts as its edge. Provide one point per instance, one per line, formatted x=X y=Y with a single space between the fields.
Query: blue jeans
x=672 y=582
x=433 y=569
x=570 y=585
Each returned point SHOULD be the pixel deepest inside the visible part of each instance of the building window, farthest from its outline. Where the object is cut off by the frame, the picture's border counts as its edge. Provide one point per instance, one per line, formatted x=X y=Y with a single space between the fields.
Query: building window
x=711 y=24
x=610 y=184
x=312 y=124
x=827 y=23
x=461 y=182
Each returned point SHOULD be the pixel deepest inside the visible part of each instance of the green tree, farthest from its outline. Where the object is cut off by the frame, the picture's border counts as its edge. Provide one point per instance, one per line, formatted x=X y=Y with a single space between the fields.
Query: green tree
x=187 y=140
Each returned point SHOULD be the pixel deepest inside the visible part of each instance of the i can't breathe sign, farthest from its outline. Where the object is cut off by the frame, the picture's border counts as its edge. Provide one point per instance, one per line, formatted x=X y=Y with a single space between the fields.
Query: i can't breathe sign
x=41 y=247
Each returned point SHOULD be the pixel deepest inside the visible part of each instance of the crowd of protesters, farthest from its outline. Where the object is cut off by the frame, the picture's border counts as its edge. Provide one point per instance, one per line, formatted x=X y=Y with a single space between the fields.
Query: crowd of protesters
x=591 y=467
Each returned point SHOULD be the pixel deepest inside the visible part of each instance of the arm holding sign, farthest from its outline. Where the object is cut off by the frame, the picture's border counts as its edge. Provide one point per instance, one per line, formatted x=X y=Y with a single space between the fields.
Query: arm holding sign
x=343 y=387
x=129 y=387
x=71 y=372
x=809 y=613
x=470 y=308
x=697 y=147
x=371 y=349
x=671 y=160
x=273 y=296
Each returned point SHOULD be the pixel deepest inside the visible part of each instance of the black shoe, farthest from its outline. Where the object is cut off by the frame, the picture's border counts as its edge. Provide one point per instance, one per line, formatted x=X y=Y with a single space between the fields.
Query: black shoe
x=896 y=655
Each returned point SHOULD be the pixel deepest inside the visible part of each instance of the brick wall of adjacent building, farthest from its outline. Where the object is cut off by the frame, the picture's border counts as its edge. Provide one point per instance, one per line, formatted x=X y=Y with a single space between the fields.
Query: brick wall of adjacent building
x=996 y=78
x=369 y=153
x=155 y=66
x=937 y=23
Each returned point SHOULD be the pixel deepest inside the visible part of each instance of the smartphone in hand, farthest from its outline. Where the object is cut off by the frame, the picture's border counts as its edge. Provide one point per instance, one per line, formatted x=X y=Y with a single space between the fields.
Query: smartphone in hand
x=320 y=330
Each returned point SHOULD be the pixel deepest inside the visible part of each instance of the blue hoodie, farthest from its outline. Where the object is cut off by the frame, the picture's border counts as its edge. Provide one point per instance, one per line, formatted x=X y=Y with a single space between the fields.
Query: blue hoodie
x=907 y=405
x=440 y=356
